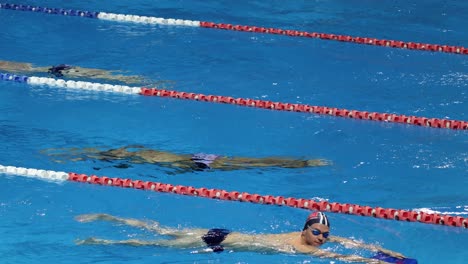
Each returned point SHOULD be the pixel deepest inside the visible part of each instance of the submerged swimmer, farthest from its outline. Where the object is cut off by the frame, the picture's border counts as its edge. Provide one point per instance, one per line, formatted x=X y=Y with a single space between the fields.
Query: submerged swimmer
x=182 y=162
x=69 y=71
x=315 y=233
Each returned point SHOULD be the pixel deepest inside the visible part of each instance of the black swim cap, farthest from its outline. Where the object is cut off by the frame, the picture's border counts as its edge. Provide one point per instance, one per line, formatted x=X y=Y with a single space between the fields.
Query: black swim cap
x=57 y=70
x=316 y=217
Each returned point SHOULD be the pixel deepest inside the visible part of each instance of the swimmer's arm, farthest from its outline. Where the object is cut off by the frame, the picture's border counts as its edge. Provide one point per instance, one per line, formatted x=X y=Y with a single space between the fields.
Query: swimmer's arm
x=357 y=244
x=77 y=71
x=348 y=258
x=40 y=69
x=241 y=246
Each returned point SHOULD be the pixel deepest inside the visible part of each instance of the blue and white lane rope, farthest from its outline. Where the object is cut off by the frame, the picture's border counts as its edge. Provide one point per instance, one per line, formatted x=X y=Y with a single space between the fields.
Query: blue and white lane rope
x=244 y=28
x=60 y=83
x=48 y=175
x=103 y=15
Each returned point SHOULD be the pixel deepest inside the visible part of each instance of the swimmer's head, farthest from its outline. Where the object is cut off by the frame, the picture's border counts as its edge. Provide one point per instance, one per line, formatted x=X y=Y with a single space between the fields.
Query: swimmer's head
x=57 y=70
x=316 y=229
x=316 y=218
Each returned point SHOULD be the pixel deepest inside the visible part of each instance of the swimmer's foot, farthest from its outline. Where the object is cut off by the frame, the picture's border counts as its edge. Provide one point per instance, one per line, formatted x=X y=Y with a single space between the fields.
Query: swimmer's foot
x=317 y=162
x=89 y=241
x=93 y=217
x=122 y=166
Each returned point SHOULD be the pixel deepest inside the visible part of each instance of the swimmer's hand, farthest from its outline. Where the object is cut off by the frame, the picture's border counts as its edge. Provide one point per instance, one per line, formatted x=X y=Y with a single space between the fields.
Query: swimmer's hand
x=201 y=251
x=88 y=241
x=93 y=217
x=391 y=253
x=317 y=162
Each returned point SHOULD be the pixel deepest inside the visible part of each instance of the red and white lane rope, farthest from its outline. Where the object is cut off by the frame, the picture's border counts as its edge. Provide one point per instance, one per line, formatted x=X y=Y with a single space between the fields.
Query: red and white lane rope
x=252 y=29
x=377 y=212
x=303 y=108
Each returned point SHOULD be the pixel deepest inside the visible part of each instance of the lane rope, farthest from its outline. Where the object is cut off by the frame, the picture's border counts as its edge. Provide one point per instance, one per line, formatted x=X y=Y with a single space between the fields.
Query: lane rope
x=346 y=208
x=244 y=28
x=302 y=108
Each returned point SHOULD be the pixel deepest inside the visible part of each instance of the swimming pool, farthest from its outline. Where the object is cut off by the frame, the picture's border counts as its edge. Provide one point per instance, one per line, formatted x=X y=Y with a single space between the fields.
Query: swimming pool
x=373 y=163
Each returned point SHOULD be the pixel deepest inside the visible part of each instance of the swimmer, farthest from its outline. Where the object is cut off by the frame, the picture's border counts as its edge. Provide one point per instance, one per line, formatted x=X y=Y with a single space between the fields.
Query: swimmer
x=315 y=233
x=182 y=162
x=69 y=71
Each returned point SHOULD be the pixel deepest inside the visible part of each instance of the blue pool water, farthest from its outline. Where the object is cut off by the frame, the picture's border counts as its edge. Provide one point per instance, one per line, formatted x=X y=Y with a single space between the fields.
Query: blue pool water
x=373 y=163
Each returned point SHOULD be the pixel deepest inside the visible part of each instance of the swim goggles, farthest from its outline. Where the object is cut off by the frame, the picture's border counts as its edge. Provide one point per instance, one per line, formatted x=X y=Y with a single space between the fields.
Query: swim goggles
x=317 y=232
